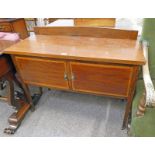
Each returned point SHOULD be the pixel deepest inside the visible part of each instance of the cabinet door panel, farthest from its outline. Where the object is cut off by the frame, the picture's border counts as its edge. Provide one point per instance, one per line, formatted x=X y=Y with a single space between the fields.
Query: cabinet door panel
x=101 y=79
x=42 y=72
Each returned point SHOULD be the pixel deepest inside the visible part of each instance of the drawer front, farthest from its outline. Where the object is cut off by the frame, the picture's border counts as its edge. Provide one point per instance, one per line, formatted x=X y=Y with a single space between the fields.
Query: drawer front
x=101 y=79
x=5 y=27
x=42 y=72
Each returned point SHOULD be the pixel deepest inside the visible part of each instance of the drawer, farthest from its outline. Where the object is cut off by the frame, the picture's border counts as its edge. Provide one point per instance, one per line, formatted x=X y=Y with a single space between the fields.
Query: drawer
x=5 y=27
x=42 y=72
x=101 y=79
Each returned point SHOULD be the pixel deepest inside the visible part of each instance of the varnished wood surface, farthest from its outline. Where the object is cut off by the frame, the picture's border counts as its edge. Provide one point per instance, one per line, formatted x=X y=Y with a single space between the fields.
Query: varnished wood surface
x=16 y=25
x=101 y=79
x=109 y=22
x=5 y=44
x=98 y=61
x=5 y=27
x=100 y=32
x=20 y=27
x=123 y=51
x=4 y=66
x=42 y=72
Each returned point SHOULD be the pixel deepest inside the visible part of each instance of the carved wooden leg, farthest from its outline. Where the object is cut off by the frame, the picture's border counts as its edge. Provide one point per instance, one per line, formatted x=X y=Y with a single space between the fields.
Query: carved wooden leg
x=10 y=89
x=21 y=107
x=11 y=98
x=16 y=118
x=141 y=106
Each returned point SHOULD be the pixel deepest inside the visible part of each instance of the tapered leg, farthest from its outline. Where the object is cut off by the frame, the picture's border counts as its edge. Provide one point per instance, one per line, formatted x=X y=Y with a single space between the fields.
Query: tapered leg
x=127 y=110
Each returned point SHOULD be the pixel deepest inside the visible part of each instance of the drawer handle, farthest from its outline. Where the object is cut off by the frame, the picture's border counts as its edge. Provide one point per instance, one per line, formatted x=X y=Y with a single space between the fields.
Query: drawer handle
x=65 y=77
x=73 y=77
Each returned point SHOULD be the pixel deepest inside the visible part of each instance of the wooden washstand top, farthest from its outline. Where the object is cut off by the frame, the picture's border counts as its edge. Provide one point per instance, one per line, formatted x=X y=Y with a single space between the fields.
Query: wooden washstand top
x=87 y=48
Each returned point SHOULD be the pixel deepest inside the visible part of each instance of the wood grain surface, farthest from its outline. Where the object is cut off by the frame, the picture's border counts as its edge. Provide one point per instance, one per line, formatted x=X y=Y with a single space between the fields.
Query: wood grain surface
x=101 y=79
x=100 y=32
x=42 y=72
x=123 y=51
